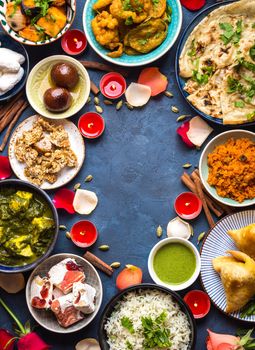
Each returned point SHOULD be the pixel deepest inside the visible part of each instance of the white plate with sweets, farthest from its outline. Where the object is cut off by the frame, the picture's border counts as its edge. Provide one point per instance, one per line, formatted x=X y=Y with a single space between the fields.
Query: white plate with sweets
x=44 y=152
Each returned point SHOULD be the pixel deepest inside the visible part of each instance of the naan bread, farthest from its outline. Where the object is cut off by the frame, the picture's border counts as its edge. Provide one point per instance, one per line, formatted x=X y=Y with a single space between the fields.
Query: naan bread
x=205 y=53
x=245 y=239
x=237 y=274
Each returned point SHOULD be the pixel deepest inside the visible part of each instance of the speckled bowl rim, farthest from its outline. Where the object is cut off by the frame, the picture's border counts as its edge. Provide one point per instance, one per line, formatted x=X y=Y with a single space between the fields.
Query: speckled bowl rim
x=100 y=293
x=83 y=98
x=20 y=40
x=203 y=162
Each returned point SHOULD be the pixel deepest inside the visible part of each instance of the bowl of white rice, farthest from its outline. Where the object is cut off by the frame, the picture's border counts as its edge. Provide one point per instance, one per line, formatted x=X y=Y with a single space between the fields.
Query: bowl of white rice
x=147 y=316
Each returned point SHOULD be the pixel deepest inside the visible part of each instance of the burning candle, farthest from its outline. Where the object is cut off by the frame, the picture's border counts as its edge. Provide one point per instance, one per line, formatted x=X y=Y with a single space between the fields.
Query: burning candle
x=84 y=233
x=187 y=205
x=113 y=85
x=91 y=125
x=74 y=42
x=198 y=302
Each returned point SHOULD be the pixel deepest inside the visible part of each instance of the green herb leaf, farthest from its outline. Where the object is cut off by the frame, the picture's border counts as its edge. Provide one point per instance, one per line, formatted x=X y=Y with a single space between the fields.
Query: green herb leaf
x=251 y=116
x=128 y=324
x=142 y=41
x=252 y=52
x=127 y=5
x=246 y=64
x=200 y=78
x=239 y=104
x=192 y=52
x=229 y=34
x=129 y=21
x=129 y=345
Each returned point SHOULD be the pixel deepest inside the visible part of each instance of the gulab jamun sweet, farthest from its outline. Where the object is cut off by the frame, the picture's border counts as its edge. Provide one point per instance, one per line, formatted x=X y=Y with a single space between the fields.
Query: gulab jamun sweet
x=65 y=75
x=57 y=99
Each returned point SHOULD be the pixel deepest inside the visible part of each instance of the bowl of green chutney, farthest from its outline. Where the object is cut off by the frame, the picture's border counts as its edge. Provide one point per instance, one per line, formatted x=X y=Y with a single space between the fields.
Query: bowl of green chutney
x=174 y=263
x=28 y=226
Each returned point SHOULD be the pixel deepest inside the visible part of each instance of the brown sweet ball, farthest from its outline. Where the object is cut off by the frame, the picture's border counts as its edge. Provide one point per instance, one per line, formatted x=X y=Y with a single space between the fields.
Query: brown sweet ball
x=65 y=75
x=57 y=99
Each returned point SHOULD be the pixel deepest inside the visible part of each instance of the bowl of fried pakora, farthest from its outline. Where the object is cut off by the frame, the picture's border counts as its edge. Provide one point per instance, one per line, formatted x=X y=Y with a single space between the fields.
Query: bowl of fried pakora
x=34 y=22
x=132 y=32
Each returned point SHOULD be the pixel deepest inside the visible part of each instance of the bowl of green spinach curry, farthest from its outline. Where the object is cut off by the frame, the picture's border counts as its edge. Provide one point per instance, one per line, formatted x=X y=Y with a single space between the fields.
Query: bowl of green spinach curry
x=28 y=226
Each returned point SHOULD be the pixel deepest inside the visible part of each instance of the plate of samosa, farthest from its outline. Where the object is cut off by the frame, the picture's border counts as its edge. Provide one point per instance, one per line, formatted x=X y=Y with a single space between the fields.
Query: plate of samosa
x=228 y=265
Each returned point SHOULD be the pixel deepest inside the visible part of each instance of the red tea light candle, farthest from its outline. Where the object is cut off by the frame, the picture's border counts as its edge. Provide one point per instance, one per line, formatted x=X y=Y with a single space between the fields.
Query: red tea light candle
x=74 y=42
x=91 y=125
x=187 y=205
x=113 y=85
x=84 y=233
x=198 y=302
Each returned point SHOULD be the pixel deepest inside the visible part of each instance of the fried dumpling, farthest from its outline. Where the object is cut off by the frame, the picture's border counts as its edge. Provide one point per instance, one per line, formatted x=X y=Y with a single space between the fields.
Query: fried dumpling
x=245 y=239
x=237 y=274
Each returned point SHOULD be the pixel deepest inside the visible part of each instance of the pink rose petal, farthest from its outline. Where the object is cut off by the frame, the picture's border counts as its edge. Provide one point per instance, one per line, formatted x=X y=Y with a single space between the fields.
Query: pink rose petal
x=63 y=199
x=182 y=131
x=5 y=168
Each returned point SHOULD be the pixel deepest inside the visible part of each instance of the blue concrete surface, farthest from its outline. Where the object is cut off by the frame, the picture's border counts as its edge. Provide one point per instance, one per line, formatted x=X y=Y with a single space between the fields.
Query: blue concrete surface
x=136 y=166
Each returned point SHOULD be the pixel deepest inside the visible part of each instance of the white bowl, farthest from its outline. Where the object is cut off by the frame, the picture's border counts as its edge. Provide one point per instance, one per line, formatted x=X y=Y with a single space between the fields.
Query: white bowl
x=185 y=284
x=204 y=169
x=39 y=81
x=46 y=318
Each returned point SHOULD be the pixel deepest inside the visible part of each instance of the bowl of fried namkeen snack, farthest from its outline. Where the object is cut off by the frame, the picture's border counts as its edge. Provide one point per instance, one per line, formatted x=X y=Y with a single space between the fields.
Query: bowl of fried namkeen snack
x=132 y=32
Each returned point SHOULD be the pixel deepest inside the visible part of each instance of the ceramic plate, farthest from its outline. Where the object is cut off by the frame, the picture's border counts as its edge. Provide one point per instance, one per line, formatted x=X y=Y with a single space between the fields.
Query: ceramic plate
x=67 y=174
x=215 y=244
x=39 y=81
x=203 y=167
x=137 y=60
x=46 y=318
x=9 y=43
x=180 y=81
x=70 y=13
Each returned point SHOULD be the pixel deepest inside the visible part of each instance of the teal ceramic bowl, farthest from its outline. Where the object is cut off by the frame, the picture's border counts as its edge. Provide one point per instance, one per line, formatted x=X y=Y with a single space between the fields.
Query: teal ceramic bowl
x=203 y=167
x=137 y=60
x=70 y=14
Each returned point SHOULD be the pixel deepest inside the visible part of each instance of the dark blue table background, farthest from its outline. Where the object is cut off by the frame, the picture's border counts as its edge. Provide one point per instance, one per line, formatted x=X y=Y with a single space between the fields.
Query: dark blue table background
x=136 y=166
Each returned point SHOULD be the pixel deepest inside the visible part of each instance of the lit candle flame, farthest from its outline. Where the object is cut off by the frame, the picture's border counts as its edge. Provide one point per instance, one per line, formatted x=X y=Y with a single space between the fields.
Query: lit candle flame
x=82 y=233
x=90 y=125
x=195 y=304
x=113 y=87
x=75 y=40
x=187 y=204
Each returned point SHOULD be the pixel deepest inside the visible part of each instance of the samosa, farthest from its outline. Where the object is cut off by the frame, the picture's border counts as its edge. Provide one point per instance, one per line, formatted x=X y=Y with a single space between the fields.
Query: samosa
x=245 y=239
x=237 y=274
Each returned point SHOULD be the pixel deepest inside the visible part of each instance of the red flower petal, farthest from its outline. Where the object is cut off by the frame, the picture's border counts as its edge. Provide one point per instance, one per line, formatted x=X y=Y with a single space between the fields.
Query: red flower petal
x=5 y=337
x=193 y=5
x=226 y=346
x=5 y=168
x=217 y=341
x=63 y=199
x=182 y=131
x=154 y=79
x=32 y=341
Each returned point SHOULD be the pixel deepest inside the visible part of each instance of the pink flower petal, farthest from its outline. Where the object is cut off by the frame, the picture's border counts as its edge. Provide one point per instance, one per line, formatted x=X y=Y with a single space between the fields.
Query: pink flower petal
x=182 y=131
x=5 y=168
x=63 y=199
x=153 y=78
x=5 y=338
x=216 y=340
x=32 y=341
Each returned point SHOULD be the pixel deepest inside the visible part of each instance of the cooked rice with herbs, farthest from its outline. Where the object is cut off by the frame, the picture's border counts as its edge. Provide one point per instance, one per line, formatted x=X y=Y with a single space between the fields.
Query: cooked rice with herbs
x=232 y=169
x=148 y=319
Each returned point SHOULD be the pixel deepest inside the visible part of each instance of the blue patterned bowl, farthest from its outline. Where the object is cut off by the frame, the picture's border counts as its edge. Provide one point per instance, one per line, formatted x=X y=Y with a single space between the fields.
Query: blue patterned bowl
x=9 y=43
x=137 y=60
x=70 y=13
x=203 y=166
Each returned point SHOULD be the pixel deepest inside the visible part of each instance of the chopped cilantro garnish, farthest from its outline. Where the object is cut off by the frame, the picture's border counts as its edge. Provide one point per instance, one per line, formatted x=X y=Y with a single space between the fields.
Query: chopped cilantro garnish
x=192 y=51
x=129 y=21
x=229 y=34
x=155 y=2
x=199 y=77
x=142 y=41
x=40 y=29
x=154 y=332
x=53 y=18
x=253 y=25
x=128 y=324
x=127 y=5
x=235 y=86
x=239 y=104
x=246 y=64
x=168 y=14
x=129 y=345
x=251 y=116
x=252 y=52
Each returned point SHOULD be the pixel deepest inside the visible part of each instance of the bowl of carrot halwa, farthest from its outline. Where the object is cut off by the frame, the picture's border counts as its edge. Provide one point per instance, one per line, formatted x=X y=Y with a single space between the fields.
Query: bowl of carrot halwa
x=227 y=168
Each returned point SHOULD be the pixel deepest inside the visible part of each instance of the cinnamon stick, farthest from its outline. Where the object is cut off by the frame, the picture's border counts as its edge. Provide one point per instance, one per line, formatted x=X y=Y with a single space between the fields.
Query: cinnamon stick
x=10 y=114
x=100 y=264
x=205 y=206
x=191 y=186
x=94 y=88
x=223 y=207
x=12 y=124
x=103 y=67
x=5 y=108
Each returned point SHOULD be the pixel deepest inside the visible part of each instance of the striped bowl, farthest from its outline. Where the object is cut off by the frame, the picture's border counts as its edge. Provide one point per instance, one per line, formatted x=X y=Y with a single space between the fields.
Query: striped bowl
x=70 y=13
x=216 y=243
